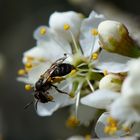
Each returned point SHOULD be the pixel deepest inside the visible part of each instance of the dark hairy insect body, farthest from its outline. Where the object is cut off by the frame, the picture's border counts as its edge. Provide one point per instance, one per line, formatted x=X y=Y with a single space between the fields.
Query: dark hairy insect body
x=45 y=82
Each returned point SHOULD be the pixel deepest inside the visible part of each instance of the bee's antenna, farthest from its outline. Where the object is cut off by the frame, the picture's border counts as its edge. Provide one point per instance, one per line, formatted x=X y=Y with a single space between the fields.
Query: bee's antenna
x=26 y=106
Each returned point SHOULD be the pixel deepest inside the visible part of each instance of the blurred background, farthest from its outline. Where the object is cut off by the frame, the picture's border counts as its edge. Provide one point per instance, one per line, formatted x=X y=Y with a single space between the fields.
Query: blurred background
x=18 y=20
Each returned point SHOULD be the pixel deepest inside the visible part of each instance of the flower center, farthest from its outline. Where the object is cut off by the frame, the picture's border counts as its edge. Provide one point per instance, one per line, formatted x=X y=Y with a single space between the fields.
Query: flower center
x=111 y=127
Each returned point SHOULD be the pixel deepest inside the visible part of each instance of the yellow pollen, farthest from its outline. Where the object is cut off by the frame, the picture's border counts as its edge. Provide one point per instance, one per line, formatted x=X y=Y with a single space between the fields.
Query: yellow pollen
x=105 y=72
x=72 y=122
x=42 y=59
x=43 y=31
x=111 y=126
x=71 y=95
x=28 y=87
x=21 y=72
x=49 y=98
x=95 y=56
x=73 y=72
x=66 y=27
x=94 y=32
x=28 y=65
x=57 y=79
x=88 y=137
x=30 y=58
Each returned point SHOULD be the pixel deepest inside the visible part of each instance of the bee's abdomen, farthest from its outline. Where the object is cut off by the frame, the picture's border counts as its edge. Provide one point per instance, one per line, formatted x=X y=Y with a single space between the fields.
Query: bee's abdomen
x=62 y=70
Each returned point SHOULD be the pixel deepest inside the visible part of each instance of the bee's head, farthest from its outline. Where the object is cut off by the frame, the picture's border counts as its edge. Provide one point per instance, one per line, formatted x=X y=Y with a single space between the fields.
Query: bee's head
x=39 y=84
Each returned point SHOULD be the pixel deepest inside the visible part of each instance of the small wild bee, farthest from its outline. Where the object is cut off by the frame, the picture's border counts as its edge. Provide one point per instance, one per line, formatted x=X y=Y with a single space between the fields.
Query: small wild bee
x=45 y=82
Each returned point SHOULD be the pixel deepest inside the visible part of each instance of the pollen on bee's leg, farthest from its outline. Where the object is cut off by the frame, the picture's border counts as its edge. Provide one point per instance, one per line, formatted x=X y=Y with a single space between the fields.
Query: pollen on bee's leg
x=72 y=122
x=28 y=87
x=50 y=98
x=57 y=79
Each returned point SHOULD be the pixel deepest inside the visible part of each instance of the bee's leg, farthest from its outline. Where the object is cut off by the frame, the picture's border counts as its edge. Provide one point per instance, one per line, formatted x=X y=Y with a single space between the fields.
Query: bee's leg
x=60 y=91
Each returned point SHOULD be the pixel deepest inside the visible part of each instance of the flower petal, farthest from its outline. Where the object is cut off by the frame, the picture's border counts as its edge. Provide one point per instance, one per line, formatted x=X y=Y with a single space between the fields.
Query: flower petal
x=100 y=98
x=34 y=74
x=111 y=62
x=100 y=125
x=87 y=40
x=125 y=110
x=83 y=110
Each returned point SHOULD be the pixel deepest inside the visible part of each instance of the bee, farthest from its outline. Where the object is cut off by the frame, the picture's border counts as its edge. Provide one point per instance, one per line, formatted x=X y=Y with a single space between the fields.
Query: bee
x=45 y=82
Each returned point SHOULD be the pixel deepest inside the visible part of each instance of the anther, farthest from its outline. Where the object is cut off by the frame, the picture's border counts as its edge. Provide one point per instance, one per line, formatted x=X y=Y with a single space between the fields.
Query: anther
x=72 y=122
x=95 y=56
x=21 y=72
x=43 y=31
x=28 y=87
x=66 y=27
x=94 y=32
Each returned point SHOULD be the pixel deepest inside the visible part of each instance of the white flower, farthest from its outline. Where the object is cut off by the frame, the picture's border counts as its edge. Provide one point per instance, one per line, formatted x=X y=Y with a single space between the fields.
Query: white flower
x=128 y=105
x=116 y=129
x=83 y=55
x=101 y=99
x=72 y=19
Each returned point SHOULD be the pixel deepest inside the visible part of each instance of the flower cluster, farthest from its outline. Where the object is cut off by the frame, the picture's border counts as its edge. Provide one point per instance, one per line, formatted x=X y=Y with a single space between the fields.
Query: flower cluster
x=106 y=74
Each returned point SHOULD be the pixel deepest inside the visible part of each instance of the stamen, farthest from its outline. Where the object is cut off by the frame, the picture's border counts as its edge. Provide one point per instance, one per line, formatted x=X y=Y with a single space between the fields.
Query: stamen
x=28 y=65
x=111 y=126
x=28 y=87
x=74 y=42
x=95 y=56
x=43 y=31
x=94 y=32
x=72 y=122
x=105 y=72
x=21 y=72
x=66 y=27
x=90 y=85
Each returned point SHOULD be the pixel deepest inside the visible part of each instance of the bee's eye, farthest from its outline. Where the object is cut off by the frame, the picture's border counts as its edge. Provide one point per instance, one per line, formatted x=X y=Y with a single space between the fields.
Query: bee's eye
x=38 y=84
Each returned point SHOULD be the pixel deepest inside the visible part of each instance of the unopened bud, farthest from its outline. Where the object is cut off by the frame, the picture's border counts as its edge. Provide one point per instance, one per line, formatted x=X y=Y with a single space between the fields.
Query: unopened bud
x=114 y=37
x=111 y=82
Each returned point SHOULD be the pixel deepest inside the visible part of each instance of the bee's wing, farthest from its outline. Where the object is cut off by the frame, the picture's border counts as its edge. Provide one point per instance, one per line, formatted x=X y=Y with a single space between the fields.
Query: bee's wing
x=48 y=73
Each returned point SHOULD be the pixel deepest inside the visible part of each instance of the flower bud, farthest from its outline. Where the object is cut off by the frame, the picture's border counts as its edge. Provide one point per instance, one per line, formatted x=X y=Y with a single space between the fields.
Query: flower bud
x=111 y=82
x=59 y=20
x=114 y=37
